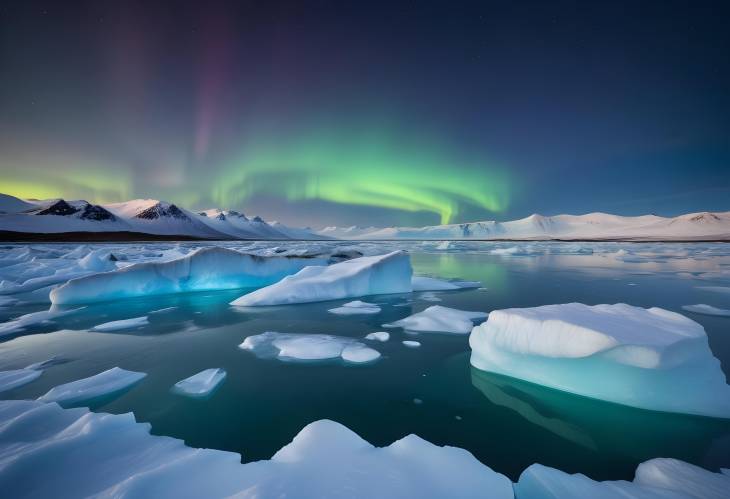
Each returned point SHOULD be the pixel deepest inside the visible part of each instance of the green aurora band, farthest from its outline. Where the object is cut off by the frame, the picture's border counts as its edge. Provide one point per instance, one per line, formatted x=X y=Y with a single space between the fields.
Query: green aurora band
x=367 y=169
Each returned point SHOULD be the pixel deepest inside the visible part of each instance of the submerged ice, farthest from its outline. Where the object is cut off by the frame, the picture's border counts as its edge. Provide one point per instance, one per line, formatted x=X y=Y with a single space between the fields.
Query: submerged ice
x=647 y=358
x=308 y=347
x=107 y=383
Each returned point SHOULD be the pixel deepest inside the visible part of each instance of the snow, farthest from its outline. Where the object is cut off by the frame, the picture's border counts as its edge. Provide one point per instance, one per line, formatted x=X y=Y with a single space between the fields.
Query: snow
x=591 y=226
x=11 y=204
x=378 y=336
x=212 y=268
x=121 y=325
x=411 y=343
x=364 y=276
x=17 y=377
x=657 y=478
x=356 y=307
x=107 y=455
x=107 y=383
x=703 y=309
x=308 y=347
x=440 y=319
x=201 y=384
x=647 y=358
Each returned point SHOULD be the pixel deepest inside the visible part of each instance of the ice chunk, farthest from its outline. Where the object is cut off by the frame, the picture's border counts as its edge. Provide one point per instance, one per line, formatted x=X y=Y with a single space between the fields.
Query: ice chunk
x=212 y=268
x=121 y=325
x=308 y=347
x=423 y=283
x=655 y=479
x=17 y=377
x=703 y=309
x=355 y=307
x=23 y=322
x=646 y=358
x=107 y=455
x=201 y=384
x=364 y=276
x=107 y=383
x=440 y=319
x=411 y=343
x=715 y=289
x=429 y=296
x=378 y=336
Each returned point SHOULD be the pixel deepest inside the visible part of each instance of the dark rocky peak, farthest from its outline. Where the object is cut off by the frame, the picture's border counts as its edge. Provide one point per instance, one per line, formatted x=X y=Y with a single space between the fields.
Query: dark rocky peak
x=96 y=212
x=60 y=207
x=162 y=210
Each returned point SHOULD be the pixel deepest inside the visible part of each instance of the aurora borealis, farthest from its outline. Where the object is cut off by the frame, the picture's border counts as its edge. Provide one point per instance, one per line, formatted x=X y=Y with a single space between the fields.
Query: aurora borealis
x=372 y=113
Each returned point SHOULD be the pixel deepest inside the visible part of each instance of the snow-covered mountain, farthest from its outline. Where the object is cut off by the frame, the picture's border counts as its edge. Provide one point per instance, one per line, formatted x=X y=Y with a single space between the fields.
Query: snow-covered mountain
x=139 y=216
x=598 y=226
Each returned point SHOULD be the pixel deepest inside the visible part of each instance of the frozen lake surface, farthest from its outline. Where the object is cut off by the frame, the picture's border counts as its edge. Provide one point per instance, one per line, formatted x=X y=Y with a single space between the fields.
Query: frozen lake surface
x=431 y=391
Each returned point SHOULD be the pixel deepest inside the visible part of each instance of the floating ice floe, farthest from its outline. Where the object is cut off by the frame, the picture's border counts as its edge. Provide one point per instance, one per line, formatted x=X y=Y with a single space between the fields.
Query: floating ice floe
x=356 y=307
x=364 y=276
x=201 y=384
x=107 y=455
x=23 y=322
x=715 y=289
x=378 y=336
x=121 y=325
x=703 y=309
x=659 y=478
x=308 y=347
x=411 y=343
x=441 y=320
x=213 y=268
x=429 y=296
x=17 y=377
x=647 y=358
x=424 y=283
x=107 y=383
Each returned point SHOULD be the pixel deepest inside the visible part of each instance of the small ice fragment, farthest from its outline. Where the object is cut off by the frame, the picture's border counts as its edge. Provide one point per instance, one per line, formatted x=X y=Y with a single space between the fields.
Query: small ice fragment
x=17 y=377
x=355 y=307
x=201 y=384
x=411 y=343
x=378 y=336
x=108 y=382
x=121 y=325
x=703 y=309
x=417 y=401
x=440 y=319
x=359 y=354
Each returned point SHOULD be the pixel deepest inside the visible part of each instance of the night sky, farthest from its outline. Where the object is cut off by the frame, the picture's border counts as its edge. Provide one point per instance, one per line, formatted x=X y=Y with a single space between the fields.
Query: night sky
x=369 y=113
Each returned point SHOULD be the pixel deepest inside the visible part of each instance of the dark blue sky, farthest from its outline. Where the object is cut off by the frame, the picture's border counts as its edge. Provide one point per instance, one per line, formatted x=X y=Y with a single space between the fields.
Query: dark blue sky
x=370 y=112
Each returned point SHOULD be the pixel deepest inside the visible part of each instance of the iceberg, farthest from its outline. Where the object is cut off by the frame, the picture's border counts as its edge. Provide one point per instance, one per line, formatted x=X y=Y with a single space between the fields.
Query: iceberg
x=703 y=309
x=411 y=343
x=17 y=378
x=201 y=384
x=20 y=324
x=364 y=276
x=646 y=358
x=108 y=455
x=121 y=325
x=205 y=269
x=107 y=383
x=441 y=320
x=660 y=478
x=308 y=347
x=356 y=307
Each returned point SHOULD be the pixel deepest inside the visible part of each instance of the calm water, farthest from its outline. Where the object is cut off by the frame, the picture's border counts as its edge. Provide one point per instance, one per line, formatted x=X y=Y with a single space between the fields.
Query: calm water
x=506 y=423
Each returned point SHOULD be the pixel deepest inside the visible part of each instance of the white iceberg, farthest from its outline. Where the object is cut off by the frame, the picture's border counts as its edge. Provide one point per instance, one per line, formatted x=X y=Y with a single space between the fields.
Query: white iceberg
x=364 y=276
x=411 y=343
x=106 y=383
x=660 y=478
x=213 y=268
x=356 y=307
x=703 y=309
x=378 y=336
x=201 y=384
x=106 y=455
x=17 y=377
x=646 y=358
x=308 y=347
x=20 y=324
x=121 y=325
x=441 y=320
